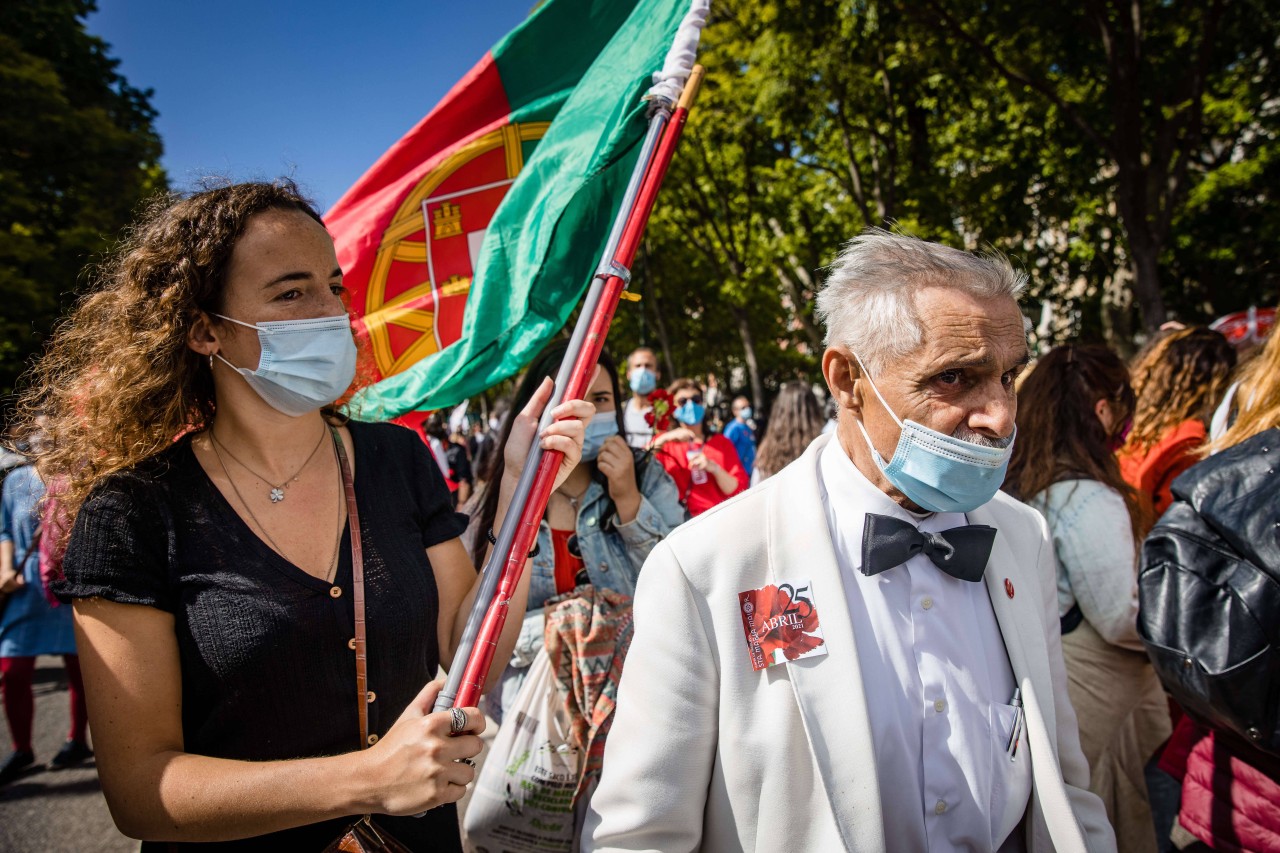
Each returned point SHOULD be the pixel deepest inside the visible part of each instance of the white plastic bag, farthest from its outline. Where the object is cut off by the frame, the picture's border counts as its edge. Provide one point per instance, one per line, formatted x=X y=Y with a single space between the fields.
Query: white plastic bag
x=523 y=798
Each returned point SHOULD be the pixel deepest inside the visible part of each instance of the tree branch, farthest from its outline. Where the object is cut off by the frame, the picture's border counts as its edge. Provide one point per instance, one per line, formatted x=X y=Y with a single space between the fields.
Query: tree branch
x=1019 y=77
x=1194 y=122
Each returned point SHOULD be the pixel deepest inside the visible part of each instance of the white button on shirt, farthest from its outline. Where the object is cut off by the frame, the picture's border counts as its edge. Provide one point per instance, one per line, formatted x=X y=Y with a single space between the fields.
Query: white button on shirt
x=937 y=680
x=639 y=432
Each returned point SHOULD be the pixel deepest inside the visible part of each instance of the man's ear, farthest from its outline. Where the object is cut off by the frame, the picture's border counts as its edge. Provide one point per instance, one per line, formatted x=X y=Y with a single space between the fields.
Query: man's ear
x=201 y=337
x=842 y=373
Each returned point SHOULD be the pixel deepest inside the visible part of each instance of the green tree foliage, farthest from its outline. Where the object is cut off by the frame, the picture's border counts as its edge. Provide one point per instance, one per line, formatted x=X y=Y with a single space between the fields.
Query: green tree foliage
x=1162 y=95
x=1124 y=154
x=78 y=152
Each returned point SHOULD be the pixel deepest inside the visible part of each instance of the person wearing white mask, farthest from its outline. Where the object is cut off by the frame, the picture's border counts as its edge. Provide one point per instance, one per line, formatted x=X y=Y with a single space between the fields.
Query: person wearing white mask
x=642 y=376
x=258 y=653
x=601 y=522
x=862 y=653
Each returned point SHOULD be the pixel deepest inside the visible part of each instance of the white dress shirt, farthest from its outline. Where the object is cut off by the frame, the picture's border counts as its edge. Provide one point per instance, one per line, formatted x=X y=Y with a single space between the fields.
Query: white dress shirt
x=937 y=679
x=639 y=432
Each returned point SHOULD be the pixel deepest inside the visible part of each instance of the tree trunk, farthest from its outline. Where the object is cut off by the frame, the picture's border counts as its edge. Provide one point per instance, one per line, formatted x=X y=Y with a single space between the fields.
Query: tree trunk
x=1144 y=261
x=660 y=327
x=1116 y=313
x=749 y=351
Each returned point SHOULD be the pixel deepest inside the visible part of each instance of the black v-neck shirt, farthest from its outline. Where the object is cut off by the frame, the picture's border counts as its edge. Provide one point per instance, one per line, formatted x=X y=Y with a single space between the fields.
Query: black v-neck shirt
x=267 y=668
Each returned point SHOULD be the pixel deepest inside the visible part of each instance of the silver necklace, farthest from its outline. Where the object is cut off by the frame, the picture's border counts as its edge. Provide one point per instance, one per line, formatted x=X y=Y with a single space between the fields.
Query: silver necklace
x=333 y=562
x=574 y=501
x=277 y=489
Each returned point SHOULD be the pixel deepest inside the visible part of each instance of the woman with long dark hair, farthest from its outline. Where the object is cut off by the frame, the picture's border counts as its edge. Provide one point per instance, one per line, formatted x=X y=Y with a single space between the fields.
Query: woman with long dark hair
x=795 y=420
x=1073 y=411
x=601 y=522
x=257 y=653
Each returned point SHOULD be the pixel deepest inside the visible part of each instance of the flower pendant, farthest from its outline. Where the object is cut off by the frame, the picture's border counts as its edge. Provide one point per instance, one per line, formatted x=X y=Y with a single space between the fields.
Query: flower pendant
x=277 y=495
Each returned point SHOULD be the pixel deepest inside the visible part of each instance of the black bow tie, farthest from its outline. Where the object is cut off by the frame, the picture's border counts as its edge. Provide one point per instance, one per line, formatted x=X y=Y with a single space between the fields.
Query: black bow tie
x=961 y=552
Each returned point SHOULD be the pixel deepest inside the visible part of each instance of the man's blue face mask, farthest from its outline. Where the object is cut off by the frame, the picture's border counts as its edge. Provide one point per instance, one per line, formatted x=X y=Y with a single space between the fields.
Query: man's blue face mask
x=940 y=473
x=643 y=381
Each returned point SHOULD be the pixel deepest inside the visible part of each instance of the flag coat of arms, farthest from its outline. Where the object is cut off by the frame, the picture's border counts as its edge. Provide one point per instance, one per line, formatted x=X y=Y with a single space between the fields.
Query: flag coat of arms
x=469 y=242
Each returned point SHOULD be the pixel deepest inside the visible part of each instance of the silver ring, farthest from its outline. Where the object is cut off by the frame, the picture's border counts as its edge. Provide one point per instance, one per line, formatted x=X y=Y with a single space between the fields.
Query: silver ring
x=467 y=761
x=458 y=721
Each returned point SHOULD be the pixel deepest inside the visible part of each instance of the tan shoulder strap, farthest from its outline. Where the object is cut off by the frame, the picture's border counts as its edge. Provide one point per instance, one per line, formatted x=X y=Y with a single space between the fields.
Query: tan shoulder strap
x=357 y=591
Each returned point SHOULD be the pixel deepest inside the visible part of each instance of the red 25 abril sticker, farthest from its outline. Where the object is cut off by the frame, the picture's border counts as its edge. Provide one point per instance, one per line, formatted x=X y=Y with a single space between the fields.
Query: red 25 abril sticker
x=781 y=624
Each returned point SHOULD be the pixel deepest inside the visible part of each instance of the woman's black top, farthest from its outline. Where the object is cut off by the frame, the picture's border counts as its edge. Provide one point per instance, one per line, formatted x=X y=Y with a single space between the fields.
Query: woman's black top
x=268 y=671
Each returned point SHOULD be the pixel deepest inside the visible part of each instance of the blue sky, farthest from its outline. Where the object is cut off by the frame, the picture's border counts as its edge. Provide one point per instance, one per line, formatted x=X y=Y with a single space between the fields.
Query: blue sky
x=316 y=90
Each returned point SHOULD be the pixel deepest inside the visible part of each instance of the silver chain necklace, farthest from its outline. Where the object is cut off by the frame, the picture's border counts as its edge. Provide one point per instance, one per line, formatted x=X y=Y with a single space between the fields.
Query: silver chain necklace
x=333 y=563
x=277 y=490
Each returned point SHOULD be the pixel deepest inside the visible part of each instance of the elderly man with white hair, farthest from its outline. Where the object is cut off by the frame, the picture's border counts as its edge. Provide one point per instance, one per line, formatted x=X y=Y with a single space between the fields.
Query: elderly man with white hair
x=863 y=653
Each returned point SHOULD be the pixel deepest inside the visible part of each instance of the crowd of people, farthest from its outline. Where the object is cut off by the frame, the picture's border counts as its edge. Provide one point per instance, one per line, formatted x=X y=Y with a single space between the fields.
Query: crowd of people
x=919 y=619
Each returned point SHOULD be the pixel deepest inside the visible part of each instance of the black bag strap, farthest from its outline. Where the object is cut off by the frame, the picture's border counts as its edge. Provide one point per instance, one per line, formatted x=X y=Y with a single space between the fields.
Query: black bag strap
x=1071 y=620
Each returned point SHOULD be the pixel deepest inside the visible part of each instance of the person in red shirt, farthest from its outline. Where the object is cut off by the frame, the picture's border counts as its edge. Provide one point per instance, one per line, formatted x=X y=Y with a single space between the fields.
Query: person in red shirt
x=706 y=469
x=1179 y=381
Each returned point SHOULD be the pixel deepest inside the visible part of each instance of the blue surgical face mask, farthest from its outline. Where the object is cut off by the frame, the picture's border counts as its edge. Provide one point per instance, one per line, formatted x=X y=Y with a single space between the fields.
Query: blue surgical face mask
x=643 y=381
x=690 y=413
x=305 y=364
x=602 y=426
x=940 y=473
x=745 y=413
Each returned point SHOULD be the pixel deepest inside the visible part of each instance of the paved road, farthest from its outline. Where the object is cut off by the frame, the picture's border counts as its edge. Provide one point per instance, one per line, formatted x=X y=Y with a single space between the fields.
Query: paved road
x=52 y=812
x=55 y=811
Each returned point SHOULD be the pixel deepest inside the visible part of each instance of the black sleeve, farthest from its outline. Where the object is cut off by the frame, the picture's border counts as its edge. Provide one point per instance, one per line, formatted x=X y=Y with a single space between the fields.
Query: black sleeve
x=459 y=463
x=118 y=548
x=436 y=518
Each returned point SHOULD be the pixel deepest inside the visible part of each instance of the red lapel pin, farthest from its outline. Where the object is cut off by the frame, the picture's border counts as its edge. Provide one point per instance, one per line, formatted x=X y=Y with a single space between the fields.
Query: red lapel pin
x=1008 y=587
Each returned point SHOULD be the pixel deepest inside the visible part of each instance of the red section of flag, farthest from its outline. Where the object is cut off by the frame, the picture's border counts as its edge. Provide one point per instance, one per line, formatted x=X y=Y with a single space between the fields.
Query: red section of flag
x=475 y=106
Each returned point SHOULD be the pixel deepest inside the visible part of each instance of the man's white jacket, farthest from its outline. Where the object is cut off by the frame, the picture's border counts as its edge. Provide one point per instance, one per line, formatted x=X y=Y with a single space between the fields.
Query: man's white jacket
x=705 y=753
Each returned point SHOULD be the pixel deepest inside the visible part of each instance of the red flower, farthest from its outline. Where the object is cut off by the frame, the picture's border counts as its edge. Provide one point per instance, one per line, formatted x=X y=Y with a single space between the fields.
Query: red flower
x=784 y=623
x=659 y=414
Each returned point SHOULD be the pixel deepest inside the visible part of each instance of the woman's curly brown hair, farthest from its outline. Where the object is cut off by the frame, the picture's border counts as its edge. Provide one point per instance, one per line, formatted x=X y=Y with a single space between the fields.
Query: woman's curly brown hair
x=1181 y=377
x=1059 y=434
x=118 y=383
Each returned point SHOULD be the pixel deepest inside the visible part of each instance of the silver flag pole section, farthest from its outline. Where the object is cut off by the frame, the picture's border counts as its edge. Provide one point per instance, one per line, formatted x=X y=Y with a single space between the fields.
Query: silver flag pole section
x=659 y=115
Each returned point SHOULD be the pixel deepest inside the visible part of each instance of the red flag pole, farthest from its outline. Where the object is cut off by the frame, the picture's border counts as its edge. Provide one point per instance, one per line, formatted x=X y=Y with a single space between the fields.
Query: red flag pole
x=479 y=657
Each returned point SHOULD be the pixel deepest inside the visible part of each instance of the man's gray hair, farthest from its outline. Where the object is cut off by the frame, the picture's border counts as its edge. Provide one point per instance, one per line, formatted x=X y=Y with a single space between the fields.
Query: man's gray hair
x=868 y=300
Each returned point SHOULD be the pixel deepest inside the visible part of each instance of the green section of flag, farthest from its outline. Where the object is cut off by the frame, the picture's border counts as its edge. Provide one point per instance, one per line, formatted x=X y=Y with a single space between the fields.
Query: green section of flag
x=545 y=57
x=546 y=238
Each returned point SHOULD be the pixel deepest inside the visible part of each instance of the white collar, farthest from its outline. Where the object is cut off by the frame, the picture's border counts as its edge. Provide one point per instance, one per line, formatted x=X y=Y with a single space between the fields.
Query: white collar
x=849 y=496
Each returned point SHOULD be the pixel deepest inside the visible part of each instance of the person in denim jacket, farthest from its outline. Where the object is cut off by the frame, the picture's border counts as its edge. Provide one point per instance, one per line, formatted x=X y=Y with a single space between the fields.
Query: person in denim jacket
x=600 y=525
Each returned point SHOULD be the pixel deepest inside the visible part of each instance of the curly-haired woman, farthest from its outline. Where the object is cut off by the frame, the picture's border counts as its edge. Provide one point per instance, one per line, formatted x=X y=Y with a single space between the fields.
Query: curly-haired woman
x=795 y=420
x=1179 y=381
x=1073 y=411
x=211 y=565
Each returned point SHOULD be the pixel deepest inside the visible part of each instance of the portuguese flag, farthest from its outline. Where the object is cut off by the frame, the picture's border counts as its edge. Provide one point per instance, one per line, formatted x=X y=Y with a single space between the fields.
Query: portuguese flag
x=469 y=243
